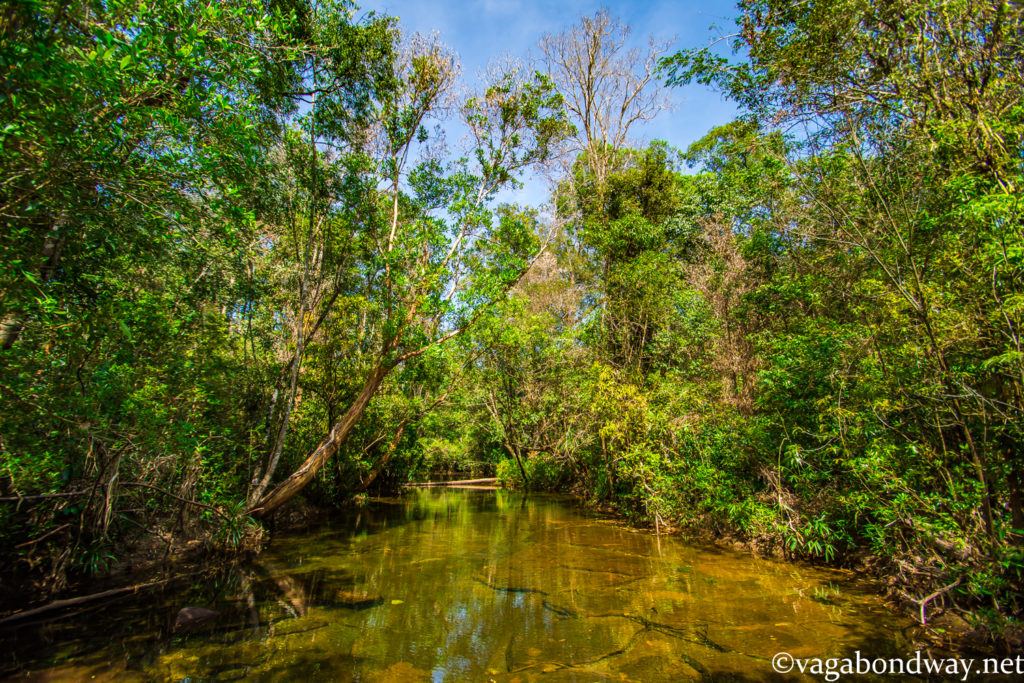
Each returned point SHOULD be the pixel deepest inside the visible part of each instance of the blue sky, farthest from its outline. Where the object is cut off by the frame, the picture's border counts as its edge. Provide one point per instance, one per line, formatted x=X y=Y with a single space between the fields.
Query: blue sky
x=481 y=30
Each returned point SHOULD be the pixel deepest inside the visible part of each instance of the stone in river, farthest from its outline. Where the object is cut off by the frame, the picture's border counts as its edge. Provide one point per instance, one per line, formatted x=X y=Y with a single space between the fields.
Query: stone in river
x=192 y=617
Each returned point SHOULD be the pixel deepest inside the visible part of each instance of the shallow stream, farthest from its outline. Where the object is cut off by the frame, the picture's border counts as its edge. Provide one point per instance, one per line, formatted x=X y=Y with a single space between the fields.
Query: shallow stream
x=469 y=585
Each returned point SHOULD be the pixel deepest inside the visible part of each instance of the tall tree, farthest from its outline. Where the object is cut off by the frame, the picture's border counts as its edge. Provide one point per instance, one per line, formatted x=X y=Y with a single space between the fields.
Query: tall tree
x=608 y=88
x=436 y=255
x=316 y=199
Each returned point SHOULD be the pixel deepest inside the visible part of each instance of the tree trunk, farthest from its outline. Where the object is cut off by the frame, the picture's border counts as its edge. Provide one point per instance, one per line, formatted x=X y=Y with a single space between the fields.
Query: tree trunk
x=514 y=452
x=392 y=447
x=278 y=446
x=284 y=491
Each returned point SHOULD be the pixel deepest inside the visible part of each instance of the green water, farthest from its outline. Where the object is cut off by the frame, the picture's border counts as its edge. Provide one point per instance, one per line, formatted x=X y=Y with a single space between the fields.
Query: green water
x=465 y=585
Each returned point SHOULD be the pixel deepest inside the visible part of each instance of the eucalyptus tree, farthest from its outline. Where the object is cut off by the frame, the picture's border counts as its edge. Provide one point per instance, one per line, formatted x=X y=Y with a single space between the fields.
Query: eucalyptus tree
x=315 y=199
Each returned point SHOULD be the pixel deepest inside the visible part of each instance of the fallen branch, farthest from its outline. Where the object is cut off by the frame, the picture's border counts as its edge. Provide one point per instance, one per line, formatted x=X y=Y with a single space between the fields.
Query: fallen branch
x=923 y=602
x=44 y=496
x=470 y=487
x=179 y=498
x=71 y=602
x=489 y=480
x=49 y=533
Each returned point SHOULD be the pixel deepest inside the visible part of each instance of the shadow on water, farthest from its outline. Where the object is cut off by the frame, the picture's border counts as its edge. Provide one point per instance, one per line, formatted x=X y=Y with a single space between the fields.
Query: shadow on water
x=468 y=585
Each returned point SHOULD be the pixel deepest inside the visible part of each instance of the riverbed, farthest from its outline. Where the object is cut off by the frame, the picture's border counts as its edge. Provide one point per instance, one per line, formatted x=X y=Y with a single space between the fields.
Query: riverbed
x=470 y=585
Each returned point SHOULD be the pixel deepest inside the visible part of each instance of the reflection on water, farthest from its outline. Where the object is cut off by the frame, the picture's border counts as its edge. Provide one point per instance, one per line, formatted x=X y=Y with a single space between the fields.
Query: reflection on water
x=456 y=585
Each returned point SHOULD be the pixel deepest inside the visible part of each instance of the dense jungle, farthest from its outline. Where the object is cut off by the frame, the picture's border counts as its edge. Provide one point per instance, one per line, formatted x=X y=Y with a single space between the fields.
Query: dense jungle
x=260 y=258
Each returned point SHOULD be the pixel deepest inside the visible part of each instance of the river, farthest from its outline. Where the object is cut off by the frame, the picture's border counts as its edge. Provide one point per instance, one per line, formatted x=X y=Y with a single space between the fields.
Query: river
x=468 y=585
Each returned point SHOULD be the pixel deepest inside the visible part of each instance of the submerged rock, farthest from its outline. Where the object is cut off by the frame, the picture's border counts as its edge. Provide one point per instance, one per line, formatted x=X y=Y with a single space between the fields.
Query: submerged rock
x=190 y=618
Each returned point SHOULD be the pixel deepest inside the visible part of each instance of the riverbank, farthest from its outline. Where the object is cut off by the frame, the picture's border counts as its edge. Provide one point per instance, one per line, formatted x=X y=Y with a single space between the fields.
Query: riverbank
x=944 y=626
x=147 y=556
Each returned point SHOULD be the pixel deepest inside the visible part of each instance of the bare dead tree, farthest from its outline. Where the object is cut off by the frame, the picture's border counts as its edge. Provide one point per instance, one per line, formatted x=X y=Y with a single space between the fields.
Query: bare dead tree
x=607 y=87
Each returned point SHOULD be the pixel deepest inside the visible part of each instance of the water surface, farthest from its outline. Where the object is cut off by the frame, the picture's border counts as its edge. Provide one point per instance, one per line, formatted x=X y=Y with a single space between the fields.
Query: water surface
x=462 y=585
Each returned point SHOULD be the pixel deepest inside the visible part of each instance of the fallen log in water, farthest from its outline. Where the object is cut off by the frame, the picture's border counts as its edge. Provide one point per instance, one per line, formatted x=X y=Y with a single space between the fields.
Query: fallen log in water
x=460 y=482
x=71 y=602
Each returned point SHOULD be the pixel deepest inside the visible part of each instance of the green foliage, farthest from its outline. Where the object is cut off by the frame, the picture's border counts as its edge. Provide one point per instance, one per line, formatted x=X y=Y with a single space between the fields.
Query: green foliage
x=235 y=525
x=541 y=473
x=96 y=559
x=228 y=227
x=812 y=342
x=886 y=299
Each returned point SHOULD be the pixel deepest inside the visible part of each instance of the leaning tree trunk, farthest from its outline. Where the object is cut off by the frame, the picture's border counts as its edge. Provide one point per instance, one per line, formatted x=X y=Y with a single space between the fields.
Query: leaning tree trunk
x=385 y=459
x=284 y=491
